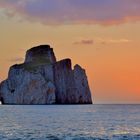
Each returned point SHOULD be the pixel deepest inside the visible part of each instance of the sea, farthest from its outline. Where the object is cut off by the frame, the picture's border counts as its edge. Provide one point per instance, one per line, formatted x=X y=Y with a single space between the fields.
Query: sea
x=70 y=122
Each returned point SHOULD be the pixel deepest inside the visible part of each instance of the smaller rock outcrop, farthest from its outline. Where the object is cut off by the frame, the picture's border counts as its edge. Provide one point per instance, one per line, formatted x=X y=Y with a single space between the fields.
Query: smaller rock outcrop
x=43 y=80
x=81 y=84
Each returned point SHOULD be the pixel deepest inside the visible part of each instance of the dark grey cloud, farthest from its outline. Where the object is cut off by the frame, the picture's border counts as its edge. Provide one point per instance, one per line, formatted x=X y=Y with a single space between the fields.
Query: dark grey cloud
x=84 y=42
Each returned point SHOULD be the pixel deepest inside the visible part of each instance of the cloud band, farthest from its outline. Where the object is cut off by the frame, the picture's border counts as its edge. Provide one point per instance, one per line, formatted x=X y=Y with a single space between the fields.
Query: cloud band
x=51 y=12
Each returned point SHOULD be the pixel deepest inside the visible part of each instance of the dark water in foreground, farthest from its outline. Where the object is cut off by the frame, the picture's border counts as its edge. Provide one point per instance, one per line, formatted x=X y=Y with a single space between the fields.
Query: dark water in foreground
x=70 y=122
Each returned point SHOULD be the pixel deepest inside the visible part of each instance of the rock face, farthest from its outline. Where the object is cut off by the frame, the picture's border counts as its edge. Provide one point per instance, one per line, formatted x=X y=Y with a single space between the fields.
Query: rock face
x=43 y=80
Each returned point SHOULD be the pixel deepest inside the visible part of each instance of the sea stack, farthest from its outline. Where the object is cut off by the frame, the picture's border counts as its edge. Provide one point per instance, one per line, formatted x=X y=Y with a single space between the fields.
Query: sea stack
x=41 y=79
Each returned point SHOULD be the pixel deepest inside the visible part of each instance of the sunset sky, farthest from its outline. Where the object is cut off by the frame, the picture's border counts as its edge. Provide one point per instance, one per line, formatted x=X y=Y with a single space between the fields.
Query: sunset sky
x=103 y=36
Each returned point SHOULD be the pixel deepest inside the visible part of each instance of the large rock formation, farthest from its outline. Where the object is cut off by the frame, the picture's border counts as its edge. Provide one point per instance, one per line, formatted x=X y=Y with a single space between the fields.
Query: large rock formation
x=43 y=80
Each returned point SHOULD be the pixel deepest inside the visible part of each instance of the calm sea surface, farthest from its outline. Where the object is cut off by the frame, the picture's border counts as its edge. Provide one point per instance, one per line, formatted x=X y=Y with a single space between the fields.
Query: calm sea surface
x=70 y=122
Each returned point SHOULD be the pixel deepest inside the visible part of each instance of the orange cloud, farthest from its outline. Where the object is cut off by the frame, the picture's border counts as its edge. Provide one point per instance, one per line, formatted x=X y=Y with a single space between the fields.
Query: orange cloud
x=113 y=41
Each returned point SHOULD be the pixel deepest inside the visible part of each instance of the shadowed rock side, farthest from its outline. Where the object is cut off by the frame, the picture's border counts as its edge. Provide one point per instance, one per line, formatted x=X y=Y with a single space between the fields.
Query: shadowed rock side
x=43 y=80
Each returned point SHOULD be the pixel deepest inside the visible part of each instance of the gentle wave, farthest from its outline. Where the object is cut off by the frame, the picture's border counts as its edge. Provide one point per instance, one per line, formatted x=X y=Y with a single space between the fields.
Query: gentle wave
x=70 y=122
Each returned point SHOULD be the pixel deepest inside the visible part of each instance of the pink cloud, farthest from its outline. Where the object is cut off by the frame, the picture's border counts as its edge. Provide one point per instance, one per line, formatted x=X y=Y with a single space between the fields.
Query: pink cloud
x=18 y=59
x=51 y=12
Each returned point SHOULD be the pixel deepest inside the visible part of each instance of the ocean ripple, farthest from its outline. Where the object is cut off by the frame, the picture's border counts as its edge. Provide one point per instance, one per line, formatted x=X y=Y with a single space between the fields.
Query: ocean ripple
x=70 y=122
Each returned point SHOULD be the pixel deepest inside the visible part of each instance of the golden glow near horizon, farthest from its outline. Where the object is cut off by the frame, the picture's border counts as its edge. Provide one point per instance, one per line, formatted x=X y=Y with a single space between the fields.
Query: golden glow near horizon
x=109 y=53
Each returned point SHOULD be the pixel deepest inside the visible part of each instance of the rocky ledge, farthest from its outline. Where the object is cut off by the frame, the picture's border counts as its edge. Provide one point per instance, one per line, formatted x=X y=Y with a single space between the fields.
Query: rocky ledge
x=43 y=80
